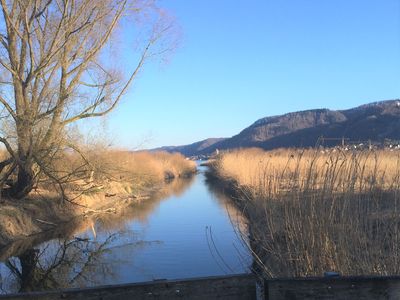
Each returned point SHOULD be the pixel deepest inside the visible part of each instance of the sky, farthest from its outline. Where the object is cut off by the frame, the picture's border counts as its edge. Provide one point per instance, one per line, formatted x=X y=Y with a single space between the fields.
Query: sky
x=241 y=60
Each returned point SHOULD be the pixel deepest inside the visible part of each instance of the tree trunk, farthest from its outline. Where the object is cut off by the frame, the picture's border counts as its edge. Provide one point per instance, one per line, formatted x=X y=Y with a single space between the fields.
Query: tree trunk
x=25 y=175
x=25 y=182
x=29 y=270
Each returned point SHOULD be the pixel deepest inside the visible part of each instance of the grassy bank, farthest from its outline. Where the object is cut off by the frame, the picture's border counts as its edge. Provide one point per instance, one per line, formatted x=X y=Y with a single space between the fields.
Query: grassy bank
x=312 y=211
x=107 y=181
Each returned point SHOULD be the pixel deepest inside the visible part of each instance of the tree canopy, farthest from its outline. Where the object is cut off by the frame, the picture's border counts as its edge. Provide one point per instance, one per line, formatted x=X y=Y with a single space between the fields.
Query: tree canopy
x=55 y=70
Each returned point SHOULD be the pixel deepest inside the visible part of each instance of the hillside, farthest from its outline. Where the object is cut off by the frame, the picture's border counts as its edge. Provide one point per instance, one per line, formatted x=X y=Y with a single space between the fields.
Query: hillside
x=374 y=121
x=192 y=149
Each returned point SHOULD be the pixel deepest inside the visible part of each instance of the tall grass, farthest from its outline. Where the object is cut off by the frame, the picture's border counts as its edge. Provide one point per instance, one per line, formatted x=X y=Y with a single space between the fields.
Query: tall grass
x=146 y=166
x=313 y=211
x=139 y=169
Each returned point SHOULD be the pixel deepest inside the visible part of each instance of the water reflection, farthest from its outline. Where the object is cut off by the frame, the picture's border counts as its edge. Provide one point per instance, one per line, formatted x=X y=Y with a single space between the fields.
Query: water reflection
x=183 y=231
x=225 y=202
x=135 y=210
x=60 y=264
x=236 y=217
x=67 y=263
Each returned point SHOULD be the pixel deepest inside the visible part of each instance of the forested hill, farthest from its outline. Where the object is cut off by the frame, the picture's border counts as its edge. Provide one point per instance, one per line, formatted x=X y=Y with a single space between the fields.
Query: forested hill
x=374 y=121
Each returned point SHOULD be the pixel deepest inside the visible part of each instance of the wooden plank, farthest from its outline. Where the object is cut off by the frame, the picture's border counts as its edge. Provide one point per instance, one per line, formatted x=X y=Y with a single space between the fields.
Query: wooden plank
x=223 y=287
x=364 y=288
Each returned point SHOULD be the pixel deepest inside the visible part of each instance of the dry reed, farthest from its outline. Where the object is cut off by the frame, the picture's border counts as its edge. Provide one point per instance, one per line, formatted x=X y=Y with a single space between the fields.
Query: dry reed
x=138 y=169
x=312 y=211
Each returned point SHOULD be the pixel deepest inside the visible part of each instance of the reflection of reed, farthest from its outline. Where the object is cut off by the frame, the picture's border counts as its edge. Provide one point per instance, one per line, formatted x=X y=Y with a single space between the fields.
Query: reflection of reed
x=141 y=210
x=74 y=262
x=239 y=223
x=20 y=246
x=136 y=210
x=224 y=201
x=176 y=187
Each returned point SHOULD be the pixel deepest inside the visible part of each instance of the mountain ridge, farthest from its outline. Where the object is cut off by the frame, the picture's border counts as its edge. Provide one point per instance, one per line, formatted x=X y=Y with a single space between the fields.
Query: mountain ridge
x=190 y=149
x=375 y=121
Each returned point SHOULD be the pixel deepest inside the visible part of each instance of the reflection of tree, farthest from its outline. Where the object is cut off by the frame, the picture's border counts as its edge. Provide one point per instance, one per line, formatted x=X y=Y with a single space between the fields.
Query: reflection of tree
x=133 y=211
x=77 y=262
x=65 y=264
x=29 y=274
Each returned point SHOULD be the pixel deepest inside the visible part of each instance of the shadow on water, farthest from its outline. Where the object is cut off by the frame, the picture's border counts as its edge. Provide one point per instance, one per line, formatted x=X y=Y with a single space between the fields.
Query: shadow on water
x=224 y=200
x=61 y=258
x=237 y=217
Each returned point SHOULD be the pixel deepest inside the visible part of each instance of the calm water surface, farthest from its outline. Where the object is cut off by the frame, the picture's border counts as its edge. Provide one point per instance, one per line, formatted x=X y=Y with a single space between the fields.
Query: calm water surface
x=190 y=231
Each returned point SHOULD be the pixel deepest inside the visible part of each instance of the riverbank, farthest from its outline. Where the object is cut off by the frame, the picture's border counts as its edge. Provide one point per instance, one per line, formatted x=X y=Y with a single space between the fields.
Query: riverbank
x=310 y=212
x=185 y=231
x=135 y=178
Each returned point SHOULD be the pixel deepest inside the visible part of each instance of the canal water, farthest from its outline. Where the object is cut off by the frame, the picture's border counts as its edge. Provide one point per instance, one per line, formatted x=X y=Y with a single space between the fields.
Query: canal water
x=192 y=230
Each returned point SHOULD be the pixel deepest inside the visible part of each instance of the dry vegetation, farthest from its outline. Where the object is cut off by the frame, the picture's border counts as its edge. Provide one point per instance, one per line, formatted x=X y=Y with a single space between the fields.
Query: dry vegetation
x=312 y=211
x=97 y=166
x=95 y=181
x=136 y=170
x=71 y=171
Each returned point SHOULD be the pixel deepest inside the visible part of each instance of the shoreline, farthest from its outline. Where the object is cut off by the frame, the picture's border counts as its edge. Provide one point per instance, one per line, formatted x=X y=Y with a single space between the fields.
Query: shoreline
x=27 y=221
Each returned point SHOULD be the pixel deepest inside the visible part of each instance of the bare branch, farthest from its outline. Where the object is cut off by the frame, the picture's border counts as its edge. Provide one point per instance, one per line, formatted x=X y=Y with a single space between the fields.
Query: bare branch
x=8 y=107
x=54 y=74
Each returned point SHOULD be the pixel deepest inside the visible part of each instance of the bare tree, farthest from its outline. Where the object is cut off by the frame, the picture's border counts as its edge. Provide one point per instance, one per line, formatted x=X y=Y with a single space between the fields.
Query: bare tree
x=54 y=73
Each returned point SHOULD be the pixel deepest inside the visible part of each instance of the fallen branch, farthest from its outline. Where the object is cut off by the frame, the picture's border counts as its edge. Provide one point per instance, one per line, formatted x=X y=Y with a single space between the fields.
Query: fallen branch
x=45 y=222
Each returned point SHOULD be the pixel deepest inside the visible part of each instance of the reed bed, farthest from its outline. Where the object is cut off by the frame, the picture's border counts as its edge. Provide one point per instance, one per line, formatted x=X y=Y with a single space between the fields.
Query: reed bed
x=144 y=165
x=312 y=211
x=138 y=169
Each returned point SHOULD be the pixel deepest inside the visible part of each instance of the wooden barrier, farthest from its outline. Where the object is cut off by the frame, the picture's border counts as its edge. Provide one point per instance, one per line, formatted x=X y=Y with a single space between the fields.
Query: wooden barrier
x=365 y=288
x=235 y=287
x=224 y=287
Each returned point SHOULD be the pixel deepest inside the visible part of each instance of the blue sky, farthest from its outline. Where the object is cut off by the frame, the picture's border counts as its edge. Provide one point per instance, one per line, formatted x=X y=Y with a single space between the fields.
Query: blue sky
x=242 y=60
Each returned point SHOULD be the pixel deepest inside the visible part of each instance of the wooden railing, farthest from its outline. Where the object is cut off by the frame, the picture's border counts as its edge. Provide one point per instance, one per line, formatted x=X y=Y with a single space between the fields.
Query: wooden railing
x=224 y=288
x=366 y=288
x=236 y=287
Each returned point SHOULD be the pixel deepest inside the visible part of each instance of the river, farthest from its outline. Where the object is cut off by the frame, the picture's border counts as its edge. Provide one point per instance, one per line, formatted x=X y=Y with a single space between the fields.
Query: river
x=192 y=230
